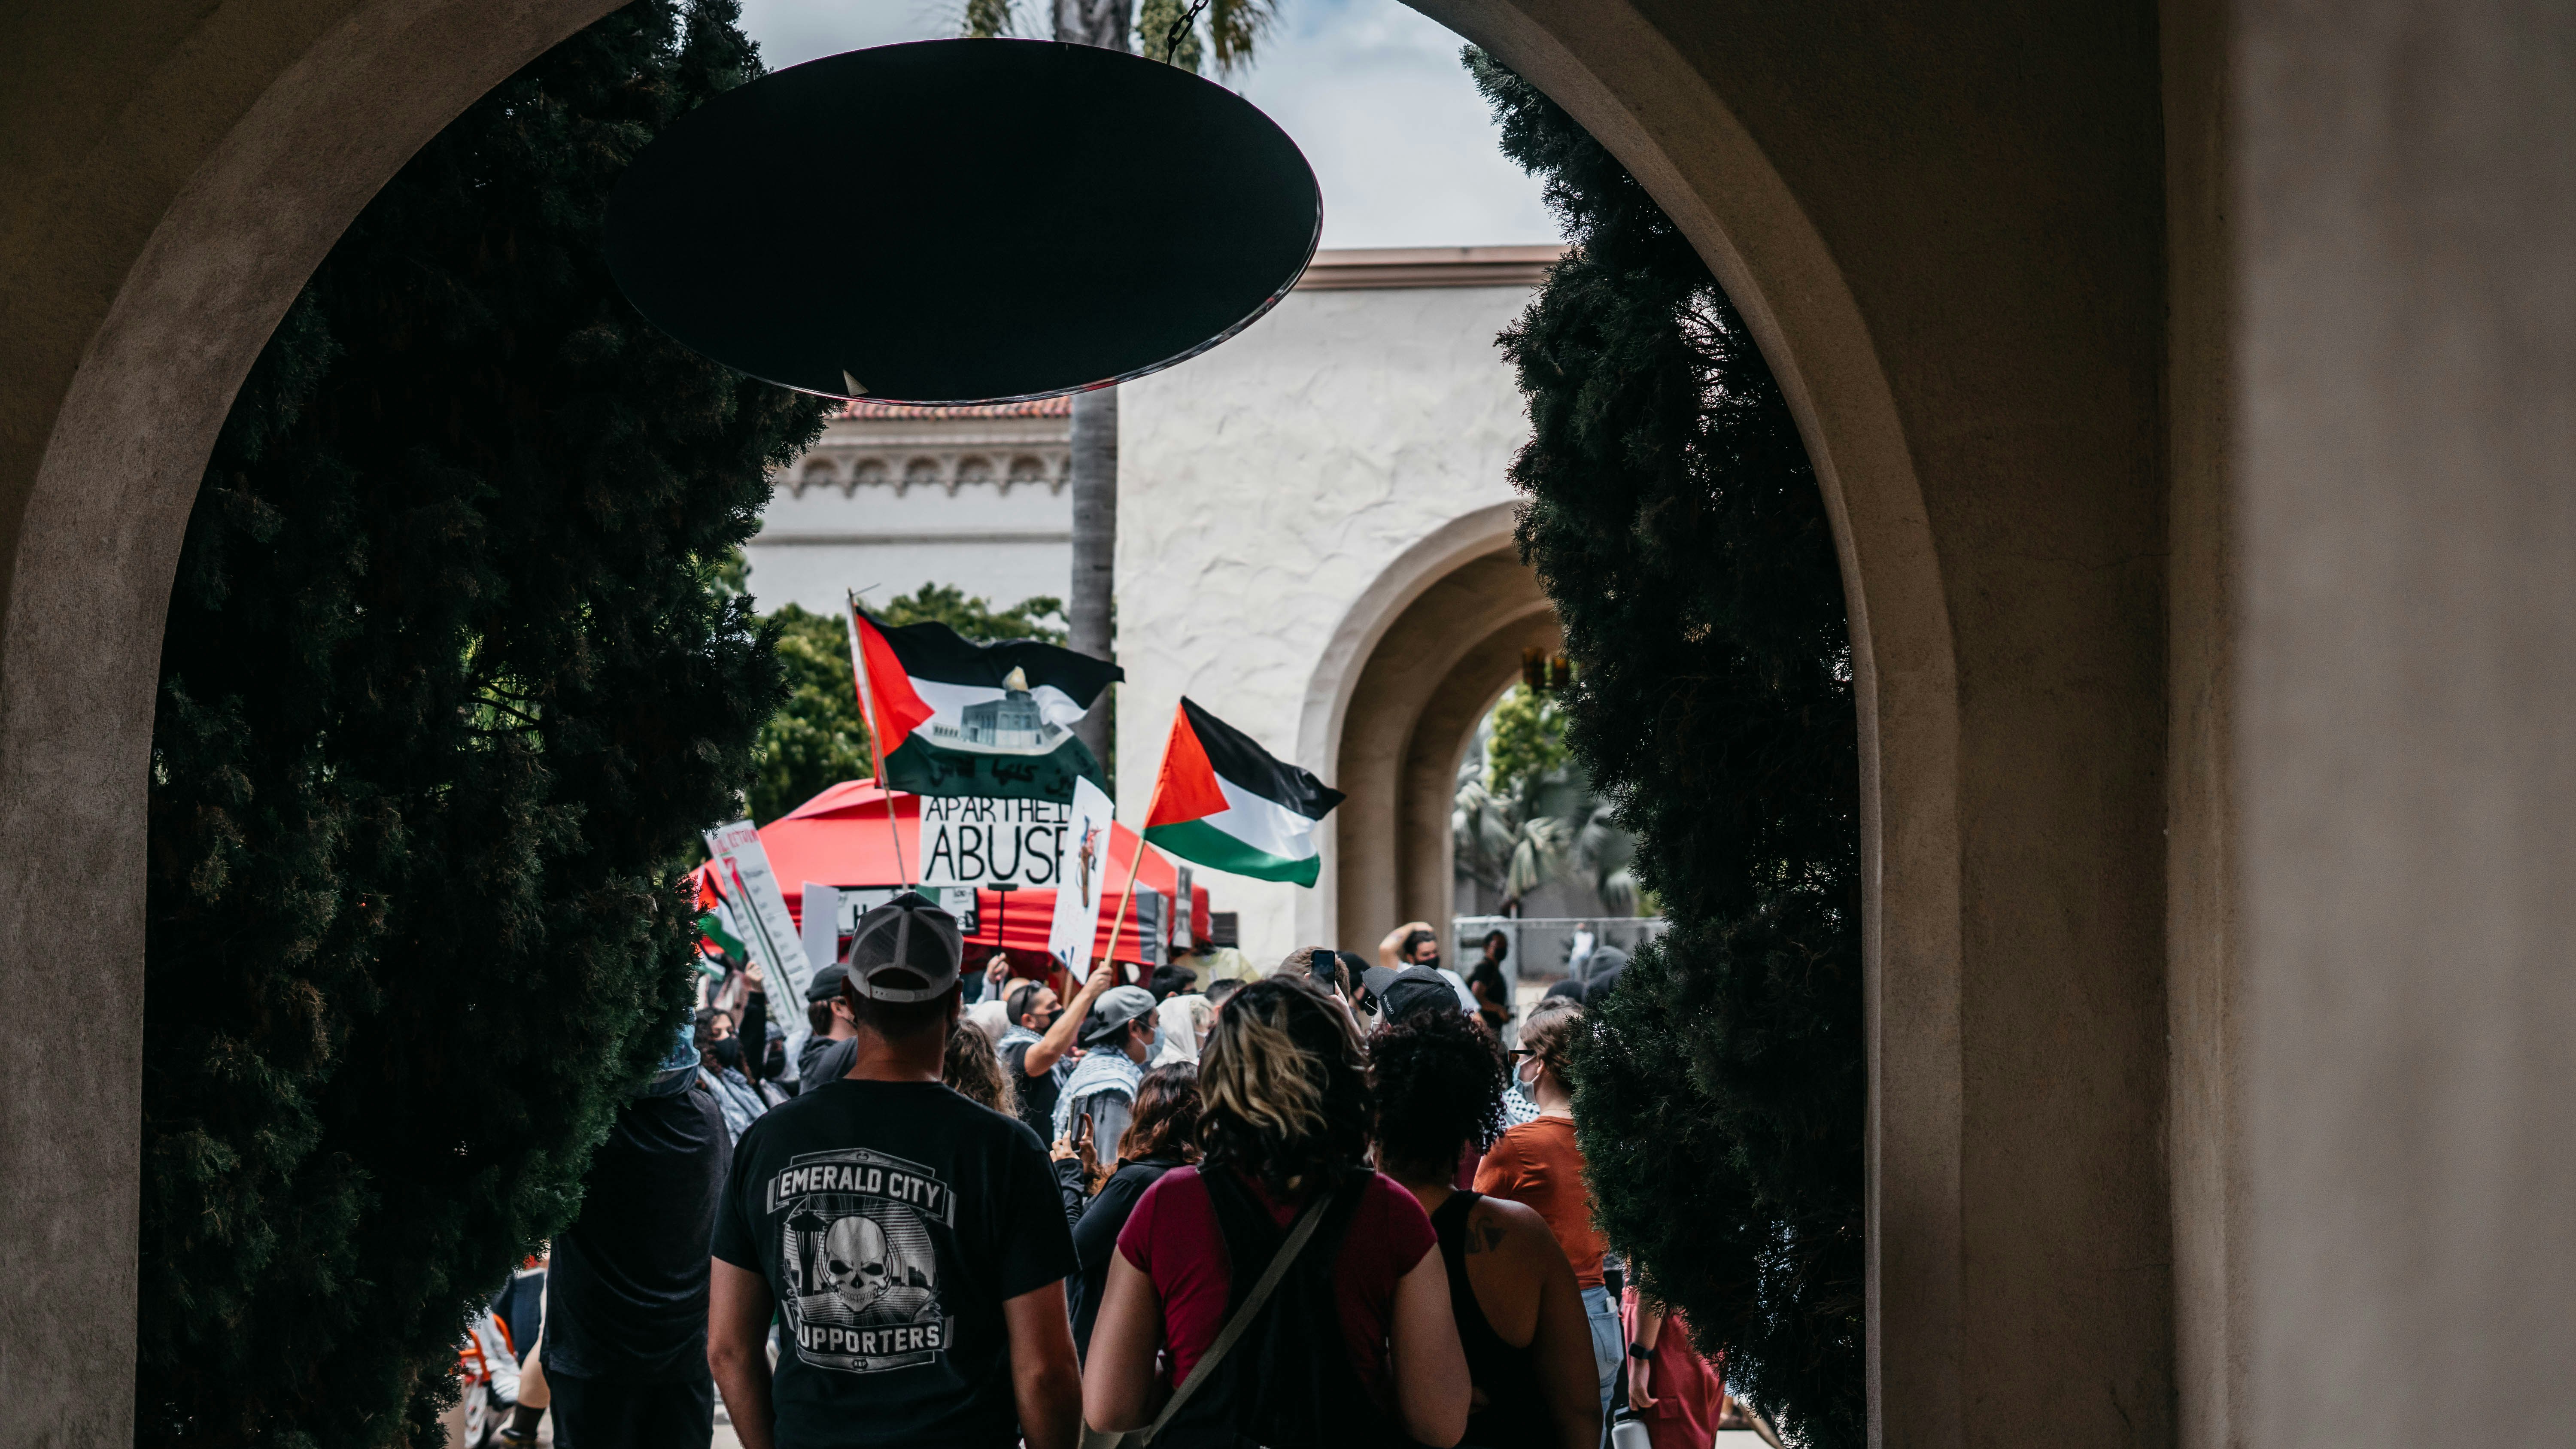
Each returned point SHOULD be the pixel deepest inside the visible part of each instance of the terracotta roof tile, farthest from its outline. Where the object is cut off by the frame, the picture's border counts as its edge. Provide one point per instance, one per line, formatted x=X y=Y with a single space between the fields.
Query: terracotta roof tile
x=1045 y=407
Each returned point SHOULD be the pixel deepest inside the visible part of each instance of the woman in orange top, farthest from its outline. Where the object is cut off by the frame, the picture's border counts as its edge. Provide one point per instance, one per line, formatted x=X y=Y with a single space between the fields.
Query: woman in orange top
x=1538 y=1164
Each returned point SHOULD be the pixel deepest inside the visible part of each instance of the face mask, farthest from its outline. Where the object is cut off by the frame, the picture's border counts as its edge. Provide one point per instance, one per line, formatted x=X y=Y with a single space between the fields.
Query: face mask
x=728 y=1053
x=1527 y=1071
x=1431 y=961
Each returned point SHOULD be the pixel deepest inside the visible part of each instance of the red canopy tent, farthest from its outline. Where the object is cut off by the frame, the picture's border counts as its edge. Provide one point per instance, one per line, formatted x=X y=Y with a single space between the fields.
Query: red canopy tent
x=840 y=838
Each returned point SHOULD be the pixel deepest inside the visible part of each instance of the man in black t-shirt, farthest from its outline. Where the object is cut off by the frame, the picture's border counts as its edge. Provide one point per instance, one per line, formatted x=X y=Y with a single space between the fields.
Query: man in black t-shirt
x=909 y=1240
x=626 y=1295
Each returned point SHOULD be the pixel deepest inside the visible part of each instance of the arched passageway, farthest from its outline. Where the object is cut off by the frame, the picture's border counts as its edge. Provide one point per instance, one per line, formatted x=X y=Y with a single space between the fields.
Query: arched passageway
x=1406 y=724
x=2057 y=292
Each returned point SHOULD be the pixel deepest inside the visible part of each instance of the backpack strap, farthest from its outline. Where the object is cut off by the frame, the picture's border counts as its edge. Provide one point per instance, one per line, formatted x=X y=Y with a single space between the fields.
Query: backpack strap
x=1280 y=1262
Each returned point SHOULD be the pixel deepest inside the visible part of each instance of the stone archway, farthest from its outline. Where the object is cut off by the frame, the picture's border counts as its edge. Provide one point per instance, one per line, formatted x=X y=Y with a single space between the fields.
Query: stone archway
x=1956 y=265
x=1433 y=671
x=193 y=173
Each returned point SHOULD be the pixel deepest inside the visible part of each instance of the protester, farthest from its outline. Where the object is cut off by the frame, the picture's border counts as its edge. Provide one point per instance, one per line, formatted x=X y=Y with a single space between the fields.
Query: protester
x=720 y=1069
x=1680 y=1396
x=1117 y=1041
x=1400 y=992
x=1164 y=1135
x=1537 y=1163
x=1415 y=944
x=1355 y=1346
x=1486 y=982
x=971 y=1069
x=764 y=1043
x=626 y=1293
x=827 y=1021
x=1219 y=992
x=1034 y=1049
x=908 y=1240
x=1439 y=1079
x=1601 y=975
x=993 y=1019
x=1184 y=1016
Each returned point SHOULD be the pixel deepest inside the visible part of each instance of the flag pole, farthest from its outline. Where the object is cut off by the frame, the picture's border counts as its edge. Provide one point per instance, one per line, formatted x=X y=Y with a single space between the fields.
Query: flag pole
x=1119 y=922
x=876 y=747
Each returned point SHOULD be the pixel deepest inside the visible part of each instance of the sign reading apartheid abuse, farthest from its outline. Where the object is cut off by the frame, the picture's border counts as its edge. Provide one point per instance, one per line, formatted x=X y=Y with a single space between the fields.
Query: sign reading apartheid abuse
x=971 y=841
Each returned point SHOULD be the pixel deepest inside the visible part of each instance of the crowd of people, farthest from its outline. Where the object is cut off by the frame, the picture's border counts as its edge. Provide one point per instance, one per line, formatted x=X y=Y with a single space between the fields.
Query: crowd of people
x=1321 y=1206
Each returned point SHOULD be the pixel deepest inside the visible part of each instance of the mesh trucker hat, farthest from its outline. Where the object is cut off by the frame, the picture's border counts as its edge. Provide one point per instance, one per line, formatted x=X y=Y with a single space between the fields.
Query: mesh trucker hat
x=1116 y=1007
x=905 y=940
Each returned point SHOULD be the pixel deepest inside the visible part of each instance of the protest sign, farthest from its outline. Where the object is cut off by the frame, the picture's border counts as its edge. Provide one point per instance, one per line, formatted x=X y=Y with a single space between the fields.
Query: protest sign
x=759 y=913
x=972 y=841
x=1081 y=871
x=821 y=922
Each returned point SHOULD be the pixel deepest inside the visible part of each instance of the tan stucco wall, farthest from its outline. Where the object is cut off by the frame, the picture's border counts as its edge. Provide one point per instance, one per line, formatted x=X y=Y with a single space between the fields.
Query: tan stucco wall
x=2204 y=1147
x=2196 y=438
x=1945 y=224
x=2405 y=415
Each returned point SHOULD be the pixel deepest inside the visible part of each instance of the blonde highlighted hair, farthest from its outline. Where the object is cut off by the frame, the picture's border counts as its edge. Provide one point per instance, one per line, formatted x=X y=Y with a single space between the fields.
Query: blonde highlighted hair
x=1283 y=1087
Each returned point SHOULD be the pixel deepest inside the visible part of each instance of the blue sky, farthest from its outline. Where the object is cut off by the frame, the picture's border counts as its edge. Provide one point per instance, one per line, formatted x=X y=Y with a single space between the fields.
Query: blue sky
x=1371 y=90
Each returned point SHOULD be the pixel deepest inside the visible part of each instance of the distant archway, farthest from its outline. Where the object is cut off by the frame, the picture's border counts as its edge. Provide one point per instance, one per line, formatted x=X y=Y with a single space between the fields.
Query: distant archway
x=1413 y=705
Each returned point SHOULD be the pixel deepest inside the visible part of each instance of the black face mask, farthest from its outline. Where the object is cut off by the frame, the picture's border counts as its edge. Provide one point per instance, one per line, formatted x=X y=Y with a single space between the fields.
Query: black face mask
x=1431 y=961
x=728 y=1052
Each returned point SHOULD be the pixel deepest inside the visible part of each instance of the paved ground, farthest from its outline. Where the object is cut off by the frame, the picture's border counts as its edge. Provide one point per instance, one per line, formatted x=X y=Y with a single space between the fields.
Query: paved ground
x=726 y=1440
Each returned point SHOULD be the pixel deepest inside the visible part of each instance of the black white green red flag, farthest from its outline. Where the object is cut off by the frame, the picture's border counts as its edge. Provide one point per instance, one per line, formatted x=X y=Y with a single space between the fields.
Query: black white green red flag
x=1223 y=802
x=958 y=718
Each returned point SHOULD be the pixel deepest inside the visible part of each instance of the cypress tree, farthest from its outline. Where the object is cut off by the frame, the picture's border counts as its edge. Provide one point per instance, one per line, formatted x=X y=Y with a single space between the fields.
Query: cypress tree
x=448 y=686
x=1674 y=519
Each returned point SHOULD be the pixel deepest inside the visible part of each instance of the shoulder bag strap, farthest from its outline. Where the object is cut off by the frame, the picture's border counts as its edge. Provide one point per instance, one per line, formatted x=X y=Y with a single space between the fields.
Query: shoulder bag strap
x=1234 y=1328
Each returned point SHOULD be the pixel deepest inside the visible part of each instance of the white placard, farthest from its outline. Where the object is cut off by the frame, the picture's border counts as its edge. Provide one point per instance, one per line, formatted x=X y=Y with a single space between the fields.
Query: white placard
x=1083 y=872
x=760 y=913
x=971 y=842
x=821 y=925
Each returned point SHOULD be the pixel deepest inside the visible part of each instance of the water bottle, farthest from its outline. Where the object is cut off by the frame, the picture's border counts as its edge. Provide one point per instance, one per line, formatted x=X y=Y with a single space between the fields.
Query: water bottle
x=1627 y=1431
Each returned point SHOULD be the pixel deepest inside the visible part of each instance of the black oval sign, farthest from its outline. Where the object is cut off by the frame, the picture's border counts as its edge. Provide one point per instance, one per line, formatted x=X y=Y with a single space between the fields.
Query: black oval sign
x=960 y=221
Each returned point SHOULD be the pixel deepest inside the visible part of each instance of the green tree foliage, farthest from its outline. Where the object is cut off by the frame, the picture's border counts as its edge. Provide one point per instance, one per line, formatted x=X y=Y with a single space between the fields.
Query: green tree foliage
x=448 y=682
x=817 y=738
x=1528 y=741
x=1674 y=520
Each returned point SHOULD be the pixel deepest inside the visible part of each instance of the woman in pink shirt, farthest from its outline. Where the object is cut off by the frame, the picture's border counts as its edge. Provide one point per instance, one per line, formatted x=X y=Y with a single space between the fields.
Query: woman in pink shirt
x=1356 y=1345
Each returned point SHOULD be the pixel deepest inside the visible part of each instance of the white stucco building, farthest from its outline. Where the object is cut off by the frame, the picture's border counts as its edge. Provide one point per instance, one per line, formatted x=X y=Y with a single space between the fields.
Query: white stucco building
x=893 y=497
x=1314 y=542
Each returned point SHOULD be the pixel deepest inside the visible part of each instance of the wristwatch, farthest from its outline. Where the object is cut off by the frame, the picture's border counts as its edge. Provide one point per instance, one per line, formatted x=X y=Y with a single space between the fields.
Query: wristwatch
x=1640 y=1352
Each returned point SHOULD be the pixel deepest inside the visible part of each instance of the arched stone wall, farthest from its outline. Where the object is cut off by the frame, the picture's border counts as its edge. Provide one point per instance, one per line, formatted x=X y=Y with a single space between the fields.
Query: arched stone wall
x=1412 y=705
x=1942 y=223
x=186 y=167
x=1956 y=273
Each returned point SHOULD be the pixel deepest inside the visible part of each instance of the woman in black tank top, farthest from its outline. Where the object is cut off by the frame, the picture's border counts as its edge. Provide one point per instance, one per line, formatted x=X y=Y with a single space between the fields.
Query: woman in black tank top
x=1439 y=1078
x=1509 y=1410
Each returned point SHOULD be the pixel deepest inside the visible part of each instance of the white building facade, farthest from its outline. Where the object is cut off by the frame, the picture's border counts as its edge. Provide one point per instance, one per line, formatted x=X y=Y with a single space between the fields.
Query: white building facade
x=1314 y=543
x=893 y=497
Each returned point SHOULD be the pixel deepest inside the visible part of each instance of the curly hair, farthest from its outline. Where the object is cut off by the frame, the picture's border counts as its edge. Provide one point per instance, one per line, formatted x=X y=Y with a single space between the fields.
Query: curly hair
x=971 y=1067
x=1439 y=1081
x=1284 y=1089
x=1166 y=1122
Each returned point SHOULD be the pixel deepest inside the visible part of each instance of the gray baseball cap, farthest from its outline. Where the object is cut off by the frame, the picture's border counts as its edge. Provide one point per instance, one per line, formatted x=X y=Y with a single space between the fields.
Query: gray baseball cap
x=911 y=936
x=1116 y=1007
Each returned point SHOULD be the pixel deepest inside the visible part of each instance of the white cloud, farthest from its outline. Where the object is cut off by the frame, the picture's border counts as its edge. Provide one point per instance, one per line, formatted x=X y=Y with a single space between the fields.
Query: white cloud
x=1371 y=91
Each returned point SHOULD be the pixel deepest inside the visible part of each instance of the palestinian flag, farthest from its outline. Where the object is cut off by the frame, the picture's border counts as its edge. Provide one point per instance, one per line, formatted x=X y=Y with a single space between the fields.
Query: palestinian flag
x=992 y=720
x=1224 y=803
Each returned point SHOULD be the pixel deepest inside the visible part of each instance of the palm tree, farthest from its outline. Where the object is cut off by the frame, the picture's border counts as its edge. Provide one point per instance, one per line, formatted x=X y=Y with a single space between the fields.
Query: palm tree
x=1169 y=34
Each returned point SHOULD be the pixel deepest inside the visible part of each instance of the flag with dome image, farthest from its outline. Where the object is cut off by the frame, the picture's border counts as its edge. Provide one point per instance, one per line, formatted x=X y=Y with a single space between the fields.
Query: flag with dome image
x=951 y=717
x=1221 y=801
